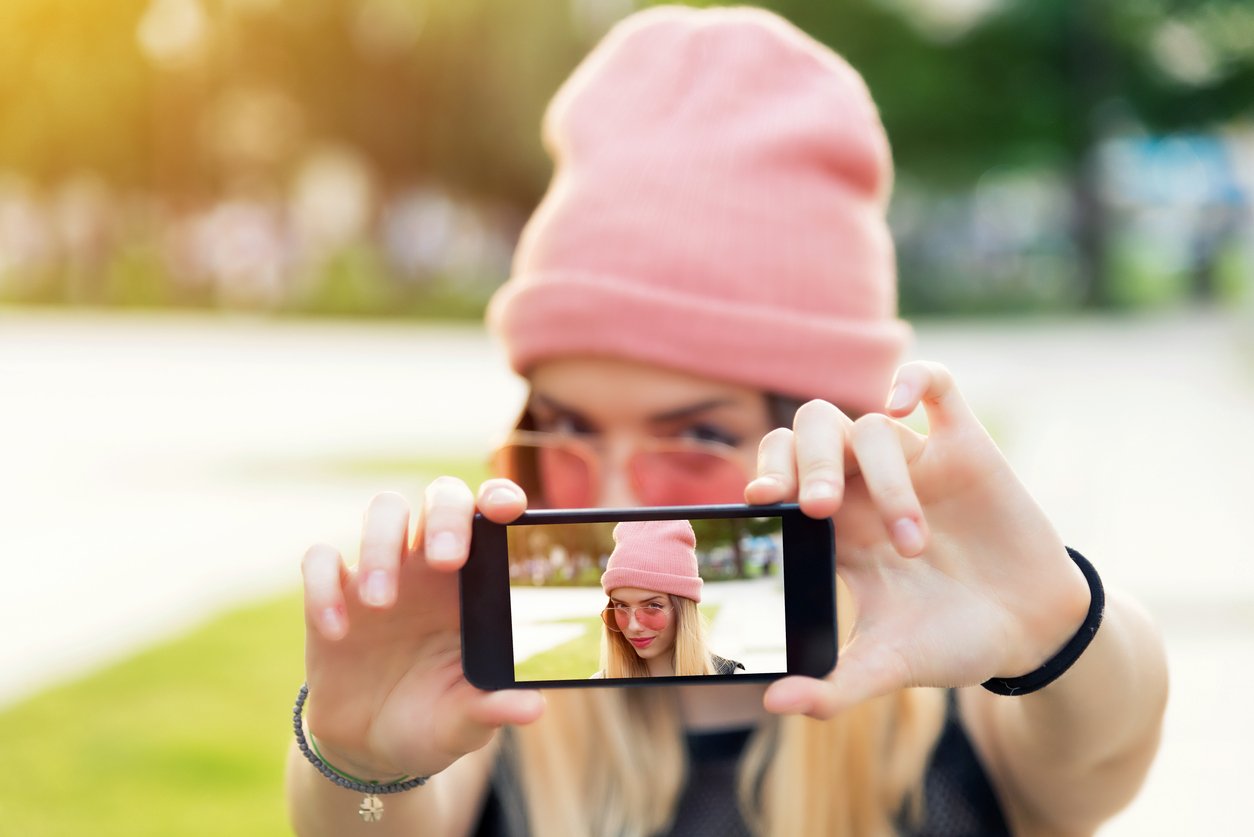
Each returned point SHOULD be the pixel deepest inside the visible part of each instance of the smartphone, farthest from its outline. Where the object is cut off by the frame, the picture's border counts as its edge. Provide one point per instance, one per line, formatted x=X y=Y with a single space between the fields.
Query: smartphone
x=653 y=596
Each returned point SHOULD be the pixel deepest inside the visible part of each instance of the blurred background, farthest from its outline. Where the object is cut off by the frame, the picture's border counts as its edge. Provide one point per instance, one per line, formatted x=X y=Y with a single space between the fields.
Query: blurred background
x=245 y=246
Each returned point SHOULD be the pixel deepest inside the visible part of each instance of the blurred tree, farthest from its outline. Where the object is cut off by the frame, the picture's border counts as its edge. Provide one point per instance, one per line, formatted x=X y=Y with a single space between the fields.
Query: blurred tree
x=74 y=90
x=731 y=532
x=1024 y=83
x=191 y=99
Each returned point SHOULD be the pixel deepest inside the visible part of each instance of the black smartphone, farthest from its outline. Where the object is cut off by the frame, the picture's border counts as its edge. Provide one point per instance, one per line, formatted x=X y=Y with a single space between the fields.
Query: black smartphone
x=601 y=597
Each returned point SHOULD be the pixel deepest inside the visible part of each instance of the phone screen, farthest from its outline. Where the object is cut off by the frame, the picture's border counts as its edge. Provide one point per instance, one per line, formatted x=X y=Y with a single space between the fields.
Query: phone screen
x=566 y=626
x=637 y=596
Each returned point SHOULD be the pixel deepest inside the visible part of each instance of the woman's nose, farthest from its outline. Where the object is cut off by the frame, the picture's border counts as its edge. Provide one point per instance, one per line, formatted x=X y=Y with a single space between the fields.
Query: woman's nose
x=616 y=489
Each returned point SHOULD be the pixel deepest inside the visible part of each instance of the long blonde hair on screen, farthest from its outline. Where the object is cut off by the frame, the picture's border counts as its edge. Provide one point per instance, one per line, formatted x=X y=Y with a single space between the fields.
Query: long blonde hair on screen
x=619 y=658
x=613 y=762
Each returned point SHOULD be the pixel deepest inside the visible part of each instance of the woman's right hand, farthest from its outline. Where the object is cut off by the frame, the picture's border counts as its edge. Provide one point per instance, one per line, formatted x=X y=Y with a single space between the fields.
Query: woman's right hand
x=387 y=696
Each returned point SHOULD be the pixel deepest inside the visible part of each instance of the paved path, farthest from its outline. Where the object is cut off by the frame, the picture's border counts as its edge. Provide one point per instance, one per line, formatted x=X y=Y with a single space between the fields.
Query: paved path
x=155 y=470
x=749 y=627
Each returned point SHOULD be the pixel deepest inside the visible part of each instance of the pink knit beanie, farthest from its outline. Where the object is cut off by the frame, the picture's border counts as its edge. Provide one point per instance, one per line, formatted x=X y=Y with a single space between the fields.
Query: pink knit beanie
x=717 y=207
x=655 y=555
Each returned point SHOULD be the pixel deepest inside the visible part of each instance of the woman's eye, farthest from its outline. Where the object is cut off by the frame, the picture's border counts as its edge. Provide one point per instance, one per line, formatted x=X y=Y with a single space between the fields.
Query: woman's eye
x=653 y=606
x=564 y=424
x=710 y=433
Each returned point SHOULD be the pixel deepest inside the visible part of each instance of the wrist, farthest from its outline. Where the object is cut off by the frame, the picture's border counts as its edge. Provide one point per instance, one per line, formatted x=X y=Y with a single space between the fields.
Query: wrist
x=371 y=809
x=1057 y=665
x=353 y=767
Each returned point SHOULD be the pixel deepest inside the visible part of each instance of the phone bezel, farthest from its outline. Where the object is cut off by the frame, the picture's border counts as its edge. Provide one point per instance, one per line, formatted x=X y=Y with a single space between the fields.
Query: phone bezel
x=809 y=595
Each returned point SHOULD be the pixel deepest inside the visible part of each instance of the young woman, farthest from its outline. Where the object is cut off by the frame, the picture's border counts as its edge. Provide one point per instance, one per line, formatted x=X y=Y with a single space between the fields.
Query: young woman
x=653 y=627
x=712 y=250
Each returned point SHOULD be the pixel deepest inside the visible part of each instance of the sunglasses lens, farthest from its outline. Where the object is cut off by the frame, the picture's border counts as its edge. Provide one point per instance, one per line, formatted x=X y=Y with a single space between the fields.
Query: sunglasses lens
x=565 y=477
x=687 y=478
x=652 y=618
x=649 y=618
x=554 y=473
x=560 y=473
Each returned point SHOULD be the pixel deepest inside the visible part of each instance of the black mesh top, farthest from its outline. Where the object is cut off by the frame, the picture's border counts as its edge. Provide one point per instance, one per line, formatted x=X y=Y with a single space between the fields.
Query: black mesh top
x=958 y=799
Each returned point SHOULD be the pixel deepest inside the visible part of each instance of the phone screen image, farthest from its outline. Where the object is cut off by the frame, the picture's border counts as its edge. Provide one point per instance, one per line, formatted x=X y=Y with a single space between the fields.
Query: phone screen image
x=567 y=626
x=625 y=597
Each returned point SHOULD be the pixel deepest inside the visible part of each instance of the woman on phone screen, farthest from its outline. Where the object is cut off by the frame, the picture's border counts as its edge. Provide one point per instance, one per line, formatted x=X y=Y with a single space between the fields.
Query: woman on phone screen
x=652 y=625
x=704 y=309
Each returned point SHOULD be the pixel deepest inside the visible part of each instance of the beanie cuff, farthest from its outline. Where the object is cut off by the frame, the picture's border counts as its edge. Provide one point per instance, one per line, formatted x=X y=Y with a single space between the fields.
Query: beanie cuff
x=848 y=362
x=678 y=585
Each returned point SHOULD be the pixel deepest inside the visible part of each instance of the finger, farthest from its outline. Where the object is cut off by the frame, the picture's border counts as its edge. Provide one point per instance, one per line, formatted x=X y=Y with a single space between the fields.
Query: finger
x=448 y=509
x=485 y=712
x=857 y=678
x=325 y=611
x=501 y=500
x=819 y=441
x=383 y=538
x=508 y=706
x=931 y=384
x=776 y=480
x=878 y=447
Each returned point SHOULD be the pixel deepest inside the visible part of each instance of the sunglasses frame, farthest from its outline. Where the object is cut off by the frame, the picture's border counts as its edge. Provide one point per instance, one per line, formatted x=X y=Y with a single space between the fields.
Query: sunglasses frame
x=666 y=612
x=586 y=451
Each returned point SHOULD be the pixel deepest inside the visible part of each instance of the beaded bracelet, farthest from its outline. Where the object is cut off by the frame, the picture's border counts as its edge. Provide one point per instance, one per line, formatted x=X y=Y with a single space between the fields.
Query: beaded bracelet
x=371 y=809
x=1056 y=665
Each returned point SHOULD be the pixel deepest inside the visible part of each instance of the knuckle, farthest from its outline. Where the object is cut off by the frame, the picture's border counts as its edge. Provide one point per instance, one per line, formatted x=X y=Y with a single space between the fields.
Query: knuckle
x=448 y=489
x=815 y=408
x=318 y=555
x=897 y=497
x=870 y=426
x=389 y=501
x=826 y=470
x=776 y=438
x=490 y=485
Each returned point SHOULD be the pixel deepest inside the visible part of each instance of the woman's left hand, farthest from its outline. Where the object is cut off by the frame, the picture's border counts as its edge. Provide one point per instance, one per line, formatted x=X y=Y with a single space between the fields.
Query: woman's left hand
x=956 y=574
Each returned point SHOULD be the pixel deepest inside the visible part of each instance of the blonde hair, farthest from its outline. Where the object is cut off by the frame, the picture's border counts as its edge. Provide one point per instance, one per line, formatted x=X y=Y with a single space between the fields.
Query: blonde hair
x=613 y=761
x=691 y=656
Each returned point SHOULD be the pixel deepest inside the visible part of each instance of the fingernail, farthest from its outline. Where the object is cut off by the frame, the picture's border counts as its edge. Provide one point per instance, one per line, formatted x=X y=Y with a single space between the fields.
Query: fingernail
x=377 y=591
x=332 y=623
x=768 y=482
x=899 y=398
x=444 y=546
x=908 y=537
x=501 y=496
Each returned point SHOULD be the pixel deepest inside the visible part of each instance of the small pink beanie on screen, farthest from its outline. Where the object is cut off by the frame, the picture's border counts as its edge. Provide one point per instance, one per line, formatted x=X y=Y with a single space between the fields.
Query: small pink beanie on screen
x=717 y=207
x=659 y=555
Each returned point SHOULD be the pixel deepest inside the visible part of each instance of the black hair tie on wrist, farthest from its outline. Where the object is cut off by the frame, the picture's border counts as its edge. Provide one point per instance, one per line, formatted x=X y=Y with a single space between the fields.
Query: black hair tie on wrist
x=1056 y=665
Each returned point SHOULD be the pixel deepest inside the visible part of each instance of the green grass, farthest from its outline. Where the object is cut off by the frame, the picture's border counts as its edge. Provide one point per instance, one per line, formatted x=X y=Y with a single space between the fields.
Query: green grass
x=187 y=738
x=575 y=659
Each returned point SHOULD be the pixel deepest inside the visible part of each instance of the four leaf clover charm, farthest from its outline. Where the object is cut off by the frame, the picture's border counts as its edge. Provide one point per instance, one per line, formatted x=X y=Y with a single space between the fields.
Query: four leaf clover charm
x=371 y=809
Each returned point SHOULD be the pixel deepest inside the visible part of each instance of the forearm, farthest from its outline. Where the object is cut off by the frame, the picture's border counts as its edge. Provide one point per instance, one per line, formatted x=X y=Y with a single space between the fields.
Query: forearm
x=1077 y=751
x=447 y=805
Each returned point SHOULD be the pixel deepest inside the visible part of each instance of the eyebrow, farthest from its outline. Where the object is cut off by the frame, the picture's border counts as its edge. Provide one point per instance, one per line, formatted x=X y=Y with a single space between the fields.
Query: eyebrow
x=676 y=414
x=642 y=601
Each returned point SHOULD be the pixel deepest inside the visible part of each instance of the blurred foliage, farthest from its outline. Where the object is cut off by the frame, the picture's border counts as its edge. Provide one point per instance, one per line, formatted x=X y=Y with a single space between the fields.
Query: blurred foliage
x=190 y=102
x=458 y=97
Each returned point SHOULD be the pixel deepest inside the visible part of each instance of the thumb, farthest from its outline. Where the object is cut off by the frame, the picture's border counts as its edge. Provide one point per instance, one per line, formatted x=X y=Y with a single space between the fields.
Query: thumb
x=860 y=674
